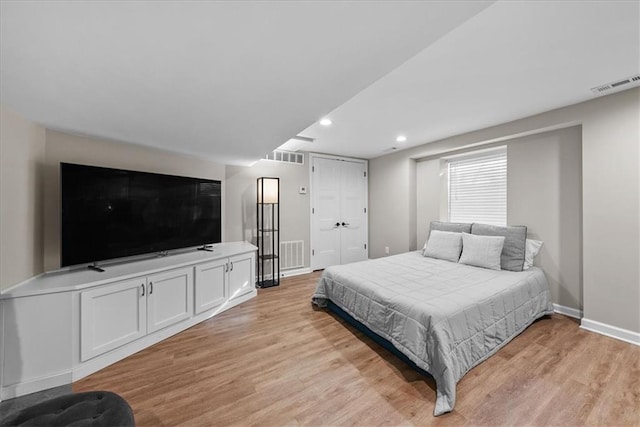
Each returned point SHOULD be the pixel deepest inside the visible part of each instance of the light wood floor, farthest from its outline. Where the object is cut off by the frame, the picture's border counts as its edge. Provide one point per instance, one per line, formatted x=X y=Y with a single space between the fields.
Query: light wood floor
x=276 y=361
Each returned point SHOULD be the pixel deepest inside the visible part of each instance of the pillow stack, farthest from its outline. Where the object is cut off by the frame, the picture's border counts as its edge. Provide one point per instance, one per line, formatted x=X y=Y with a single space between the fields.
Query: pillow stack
x=482 y=245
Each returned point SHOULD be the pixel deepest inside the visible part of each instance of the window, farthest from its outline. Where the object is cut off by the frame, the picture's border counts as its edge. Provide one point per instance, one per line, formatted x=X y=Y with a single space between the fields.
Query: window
x=478 y=187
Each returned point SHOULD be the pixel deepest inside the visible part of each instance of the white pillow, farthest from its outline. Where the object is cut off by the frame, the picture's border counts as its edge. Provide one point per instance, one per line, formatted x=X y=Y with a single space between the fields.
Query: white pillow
x=443 y=245
x=532 y=248
x=481 y=251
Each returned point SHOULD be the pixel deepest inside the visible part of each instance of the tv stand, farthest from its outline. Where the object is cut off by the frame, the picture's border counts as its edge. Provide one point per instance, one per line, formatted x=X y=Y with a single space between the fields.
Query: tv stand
x=94 y=320
x=95 y=267
x=205 y=248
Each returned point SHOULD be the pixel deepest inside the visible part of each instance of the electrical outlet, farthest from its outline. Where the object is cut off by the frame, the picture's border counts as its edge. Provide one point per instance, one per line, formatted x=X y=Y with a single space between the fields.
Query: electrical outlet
x=386 y=250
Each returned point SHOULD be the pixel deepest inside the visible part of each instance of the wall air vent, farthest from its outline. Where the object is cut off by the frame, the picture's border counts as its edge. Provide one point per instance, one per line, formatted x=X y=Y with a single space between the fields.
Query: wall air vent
x=286 y=157
x=627 y=83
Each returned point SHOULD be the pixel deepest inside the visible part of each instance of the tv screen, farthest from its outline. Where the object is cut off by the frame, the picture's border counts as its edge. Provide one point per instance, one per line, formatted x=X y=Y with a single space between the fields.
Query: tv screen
x=114 y=213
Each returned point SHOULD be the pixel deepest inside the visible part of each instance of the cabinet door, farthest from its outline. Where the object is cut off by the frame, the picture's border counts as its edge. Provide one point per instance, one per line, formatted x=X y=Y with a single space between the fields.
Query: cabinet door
x=353 y=231
x=170 y=298
x=111 y=316
x=241 y=275
x=210 y=285
x=325 y=217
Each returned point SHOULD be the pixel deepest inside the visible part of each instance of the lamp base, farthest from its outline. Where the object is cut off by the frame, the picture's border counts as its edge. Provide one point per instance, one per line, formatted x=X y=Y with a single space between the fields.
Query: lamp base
x=267 y=283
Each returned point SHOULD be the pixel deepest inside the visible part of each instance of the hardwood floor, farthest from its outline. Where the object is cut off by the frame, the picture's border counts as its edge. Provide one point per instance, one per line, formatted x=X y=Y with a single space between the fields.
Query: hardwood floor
x=276 y=360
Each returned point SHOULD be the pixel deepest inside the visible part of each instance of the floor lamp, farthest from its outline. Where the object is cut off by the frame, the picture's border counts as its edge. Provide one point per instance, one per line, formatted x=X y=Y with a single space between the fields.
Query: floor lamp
x=268 y=226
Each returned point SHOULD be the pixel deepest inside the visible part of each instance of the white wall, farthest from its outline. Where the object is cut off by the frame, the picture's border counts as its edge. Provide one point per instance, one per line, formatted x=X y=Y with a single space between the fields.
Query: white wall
x=22 y=154
x=610 y=197
x=240 y=201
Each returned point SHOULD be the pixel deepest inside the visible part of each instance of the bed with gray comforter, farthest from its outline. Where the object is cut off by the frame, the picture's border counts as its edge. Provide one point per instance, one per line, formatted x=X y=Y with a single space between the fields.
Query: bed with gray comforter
x=444 y=316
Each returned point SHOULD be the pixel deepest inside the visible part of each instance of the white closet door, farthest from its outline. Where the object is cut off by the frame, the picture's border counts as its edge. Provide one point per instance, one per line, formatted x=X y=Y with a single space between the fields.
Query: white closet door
x=326 y=213
x=353 y=217
x=339 y=218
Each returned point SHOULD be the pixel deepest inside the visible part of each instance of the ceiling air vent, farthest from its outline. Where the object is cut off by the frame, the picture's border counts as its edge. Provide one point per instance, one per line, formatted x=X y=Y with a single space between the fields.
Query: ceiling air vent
x=620 y=84
x=286 y=157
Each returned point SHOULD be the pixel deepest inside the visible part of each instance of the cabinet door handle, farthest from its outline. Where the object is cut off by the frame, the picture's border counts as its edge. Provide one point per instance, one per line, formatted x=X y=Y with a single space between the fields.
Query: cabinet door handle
x=345 y=224
x=226 y=267
x=232 y=266
x=142 y=286
x=150 y=288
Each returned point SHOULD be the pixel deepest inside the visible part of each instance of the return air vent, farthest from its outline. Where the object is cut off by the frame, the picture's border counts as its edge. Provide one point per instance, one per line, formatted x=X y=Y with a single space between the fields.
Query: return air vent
x=286 y=157
x=619 y=84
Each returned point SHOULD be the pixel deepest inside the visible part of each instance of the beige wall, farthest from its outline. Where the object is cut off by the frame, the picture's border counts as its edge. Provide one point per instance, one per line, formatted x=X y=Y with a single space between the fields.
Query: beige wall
x=390 y=205
x=544 y=192
x=611 y=209
x=240 y=201
x=22 y=154
x=429 y=203
x=64 y=147
x=30 y=194
x=610 y=197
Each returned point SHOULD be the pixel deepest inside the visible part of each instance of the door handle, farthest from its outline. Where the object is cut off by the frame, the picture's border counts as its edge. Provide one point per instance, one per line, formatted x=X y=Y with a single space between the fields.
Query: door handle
x=337 y=225
x=345 y=224
x=150 y=288
x=142 y=286
x=232 y=266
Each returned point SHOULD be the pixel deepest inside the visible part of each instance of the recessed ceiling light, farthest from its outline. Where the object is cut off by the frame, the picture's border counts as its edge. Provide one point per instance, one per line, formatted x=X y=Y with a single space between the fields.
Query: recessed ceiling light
x=326 y=121
x=401 y=138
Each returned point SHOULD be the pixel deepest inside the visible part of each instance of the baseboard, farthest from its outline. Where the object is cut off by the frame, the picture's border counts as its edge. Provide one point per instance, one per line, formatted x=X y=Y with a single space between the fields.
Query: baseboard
x=38 y=384
x=567 y=311
x=295 y=272
x=611 y=331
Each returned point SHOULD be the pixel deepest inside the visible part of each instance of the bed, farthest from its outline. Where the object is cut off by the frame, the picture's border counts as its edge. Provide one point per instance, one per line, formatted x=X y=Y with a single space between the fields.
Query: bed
x=445 y=317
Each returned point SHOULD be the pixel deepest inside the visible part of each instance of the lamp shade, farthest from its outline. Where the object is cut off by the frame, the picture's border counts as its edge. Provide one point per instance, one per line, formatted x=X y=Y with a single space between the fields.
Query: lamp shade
x=270 y=188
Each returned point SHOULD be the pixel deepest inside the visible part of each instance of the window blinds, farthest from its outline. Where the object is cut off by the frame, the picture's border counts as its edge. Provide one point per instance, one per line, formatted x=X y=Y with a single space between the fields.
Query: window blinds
x=478 y=188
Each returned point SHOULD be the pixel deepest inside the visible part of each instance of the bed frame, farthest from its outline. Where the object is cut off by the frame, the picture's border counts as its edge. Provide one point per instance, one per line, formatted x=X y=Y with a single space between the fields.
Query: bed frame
x=375 y=337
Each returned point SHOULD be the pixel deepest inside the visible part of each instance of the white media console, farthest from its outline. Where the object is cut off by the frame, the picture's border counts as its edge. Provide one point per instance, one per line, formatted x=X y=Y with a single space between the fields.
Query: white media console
x=59 y=327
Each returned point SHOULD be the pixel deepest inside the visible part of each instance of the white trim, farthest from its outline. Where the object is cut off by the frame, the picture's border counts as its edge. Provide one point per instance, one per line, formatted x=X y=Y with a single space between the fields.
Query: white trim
x=34 y=385
x=567 y=311
x=295 y=272
x=611 y=331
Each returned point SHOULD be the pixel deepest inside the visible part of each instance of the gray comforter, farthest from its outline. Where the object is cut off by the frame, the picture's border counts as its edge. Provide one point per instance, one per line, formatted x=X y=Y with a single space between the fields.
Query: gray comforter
x=445 y=317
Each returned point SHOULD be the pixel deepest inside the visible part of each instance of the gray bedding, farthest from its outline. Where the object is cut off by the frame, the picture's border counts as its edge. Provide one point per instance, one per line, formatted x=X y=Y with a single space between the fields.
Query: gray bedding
x=445 y=317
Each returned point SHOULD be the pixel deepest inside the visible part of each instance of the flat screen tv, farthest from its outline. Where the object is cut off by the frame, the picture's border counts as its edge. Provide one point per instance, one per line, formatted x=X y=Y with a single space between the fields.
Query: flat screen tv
x=115 y=213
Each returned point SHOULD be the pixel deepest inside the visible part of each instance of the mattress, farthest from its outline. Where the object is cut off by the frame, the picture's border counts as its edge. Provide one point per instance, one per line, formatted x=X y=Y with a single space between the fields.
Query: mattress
x=444 y=316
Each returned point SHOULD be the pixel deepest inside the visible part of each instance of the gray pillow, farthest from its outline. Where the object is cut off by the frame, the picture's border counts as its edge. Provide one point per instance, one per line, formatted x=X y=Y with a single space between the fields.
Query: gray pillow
x=443 y=245
x=455 y=227
x=481 y=251
x=515 y=243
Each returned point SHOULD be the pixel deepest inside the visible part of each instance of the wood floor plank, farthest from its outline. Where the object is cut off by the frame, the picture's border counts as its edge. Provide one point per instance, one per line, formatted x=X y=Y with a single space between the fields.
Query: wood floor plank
x=277 y=361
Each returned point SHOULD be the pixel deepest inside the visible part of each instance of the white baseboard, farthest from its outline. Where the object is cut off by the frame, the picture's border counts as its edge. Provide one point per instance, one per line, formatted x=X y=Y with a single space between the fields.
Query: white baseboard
x=31 y=386
x=611 y=331
x=567 y=311
x=295 y=272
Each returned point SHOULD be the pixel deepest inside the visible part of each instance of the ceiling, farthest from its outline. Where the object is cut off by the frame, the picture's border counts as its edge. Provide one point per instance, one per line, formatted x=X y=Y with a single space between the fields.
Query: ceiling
x=229 y=81
x=232 y=81
x=512 y=60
